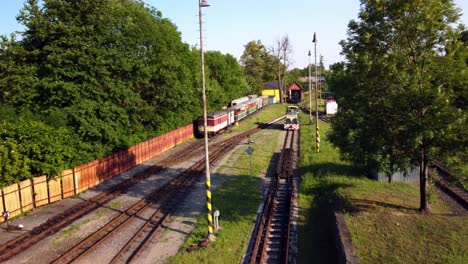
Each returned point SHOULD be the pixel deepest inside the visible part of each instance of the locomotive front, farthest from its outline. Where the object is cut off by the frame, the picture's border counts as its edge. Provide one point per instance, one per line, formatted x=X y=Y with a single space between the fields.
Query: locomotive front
x=292 y=118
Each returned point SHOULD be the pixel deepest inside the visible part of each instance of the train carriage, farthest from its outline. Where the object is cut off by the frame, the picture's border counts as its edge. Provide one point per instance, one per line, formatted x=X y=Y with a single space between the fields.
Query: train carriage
x=240 y=112
x=239 y=101
x=264 y=100
x=259 y=103
x=251 y=106
x=241 y=108
x=230 y=112
x=215 y=123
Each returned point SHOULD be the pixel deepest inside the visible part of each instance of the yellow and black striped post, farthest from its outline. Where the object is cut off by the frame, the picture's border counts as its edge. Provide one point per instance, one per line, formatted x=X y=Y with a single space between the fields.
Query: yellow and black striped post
x=208 y=209
x=317 y=137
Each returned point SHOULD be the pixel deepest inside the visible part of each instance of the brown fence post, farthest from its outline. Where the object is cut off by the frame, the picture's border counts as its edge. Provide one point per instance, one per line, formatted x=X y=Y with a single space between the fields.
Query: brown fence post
x=2 y=204
x=75 y=181
x=20 y=198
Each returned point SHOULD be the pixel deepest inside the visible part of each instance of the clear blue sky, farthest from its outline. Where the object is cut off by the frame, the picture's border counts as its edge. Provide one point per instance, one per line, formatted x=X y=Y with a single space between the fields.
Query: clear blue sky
x=229 y=25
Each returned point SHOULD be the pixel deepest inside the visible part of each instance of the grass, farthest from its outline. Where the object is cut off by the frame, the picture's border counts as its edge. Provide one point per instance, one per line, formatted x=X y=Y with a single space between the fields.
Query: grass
x=68 y=232
x=383 y=218
x=305 y=102
x=237 y=199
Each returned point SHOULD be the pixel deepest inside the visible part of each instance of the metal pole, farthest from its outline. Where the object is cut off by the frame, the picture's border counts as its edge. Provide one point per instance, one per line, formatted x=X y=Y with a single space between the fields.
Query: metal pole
x=250 y=168
x=310 y=94
x=317 y=136
x=320 y=76
x=207 y=158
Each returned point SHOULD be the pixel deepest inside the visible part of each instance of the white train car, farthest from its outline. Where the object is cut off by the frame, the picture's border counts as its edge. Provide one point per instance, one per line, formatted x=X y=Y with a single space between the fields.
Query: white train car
x=239 y=101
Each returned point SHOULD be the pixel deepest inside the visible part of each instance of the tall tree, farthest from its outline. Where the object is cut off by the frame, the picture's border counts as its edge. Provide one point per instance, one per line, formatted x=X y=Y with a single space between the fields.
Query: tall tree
x=227 y=80
x=257 y=65
x=281 y=51
x=86 y=78
x=399 y=113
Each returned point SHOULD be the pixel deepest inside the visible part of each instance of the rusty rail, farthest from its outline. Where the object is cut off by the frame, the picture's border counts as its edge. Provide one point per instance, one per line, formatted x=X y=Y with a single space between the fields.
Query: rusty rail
x=53 y=225
x=457 y=193
x=272 y=236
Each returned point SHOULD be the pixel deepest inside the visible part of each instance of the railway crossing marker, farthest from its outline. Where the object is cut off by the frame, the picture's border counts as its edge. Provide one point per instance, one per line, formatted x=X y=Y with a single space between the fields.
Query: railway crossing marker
x=250 y=151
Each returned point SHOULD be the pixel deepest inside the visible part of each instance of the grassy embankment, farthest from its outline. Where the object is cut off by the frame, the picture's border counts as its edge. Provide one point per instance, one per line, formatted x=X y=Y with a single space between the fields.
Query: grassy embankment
x=238 y=198
x=383 y=218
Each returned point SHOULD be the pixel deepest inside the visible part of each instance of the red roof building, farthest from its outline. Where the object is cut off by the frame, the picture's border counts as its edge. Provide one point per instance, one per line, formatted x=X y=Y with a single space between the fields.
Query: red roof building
x=295 y=92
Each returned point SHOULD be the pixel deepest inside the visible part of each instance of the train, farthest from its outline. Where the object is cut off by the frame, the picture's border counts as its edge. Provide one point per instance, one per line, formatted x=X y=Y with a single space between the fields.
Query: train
x=291 y=118
x=240 y=108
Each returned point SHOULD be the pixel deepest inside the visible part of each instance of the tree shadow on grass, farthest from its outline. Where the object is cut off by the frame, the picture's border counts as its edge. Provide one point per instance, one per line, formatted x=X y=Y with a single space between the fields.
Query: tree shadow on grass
x=359 y=205
x=316 y=233
x=329 y=169
x=328 y=190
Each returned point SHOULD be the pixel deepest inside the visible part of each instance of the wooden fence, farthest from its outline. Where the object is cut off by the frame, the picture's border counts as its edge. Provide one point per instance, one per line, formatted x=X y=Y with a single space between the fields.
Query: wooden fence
x=38 y=191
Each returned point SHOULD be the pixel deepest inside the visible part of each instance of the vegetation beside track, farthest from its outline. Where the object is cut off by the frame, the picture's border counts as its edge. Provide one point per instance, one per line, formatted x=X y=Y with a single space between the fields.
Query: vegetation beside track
x=238 y=197
x=460 y=167
x=383 y=218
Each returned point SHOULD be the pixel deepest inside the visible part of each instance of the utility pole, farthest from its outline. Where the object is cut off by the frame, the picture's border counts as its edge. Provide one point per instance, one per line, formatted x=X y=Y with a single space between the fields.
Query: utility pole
x=320 y=76
x=310 y=95
x=317 y=134
x=204 y=3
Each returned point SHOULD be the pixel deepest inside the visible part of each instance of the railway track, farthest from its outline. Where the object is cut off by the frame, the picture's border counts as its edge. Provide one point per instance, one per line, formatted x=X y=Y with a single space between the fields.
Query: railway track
x=161 y=202
x=272 y=235
x=55 y=224
x=442 y=182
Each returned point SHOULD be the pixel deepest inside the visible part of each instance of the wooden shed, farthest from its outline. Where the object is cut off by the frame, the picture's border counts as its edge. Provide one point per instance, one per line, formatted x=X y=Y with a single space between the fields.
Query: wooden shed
x=271 y=89
x=295 y=92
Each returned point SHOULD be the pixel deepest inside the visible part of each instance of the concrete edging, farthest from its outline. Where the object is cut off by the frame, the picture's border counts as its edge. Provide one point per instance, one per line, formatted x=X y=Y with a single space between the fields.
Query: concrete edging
x=342 y=239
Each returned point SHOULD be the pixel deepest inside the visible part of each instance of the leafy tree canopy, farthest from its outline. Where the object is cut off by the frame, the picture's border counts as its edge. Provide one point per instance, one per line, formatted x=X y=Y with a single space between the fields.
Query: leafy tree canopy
x=87 y=77
x=403 y=86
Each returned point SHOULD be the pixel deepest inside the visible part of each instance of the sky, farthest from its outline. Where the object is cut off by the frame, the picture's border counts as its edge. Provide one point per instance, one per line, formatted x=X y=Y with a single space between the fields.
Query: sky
x=229 y=25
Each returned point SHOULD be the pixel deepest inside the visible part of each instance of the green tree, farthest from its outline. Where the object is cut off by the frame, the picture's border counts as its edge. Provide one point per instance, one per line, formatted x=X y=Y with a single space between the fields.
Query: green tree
x=258 y=65
x=227 y=76
x=398 y=112
x=103 y=75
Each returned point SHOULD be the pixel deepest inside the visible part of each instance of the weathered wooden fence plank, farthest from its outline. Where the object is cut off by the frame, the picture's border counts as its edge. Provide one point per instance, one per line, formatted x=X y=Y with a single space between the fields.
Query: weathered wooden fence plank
x=11 y=198
x=41 y=196
x=27 y=195
x=55 y=190
x=68 y=184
